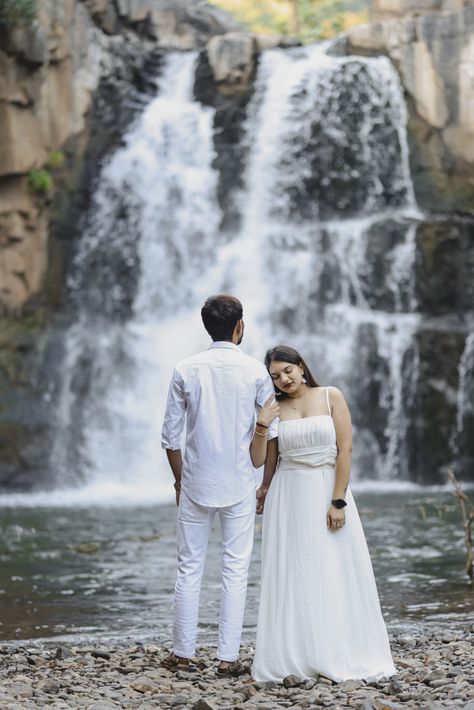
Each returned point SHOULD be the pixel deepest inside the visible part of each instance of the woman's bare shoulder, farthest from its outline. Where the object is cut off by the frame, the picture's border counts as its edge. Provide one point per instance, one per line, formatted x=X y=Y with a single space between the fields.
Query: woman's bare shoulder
x=335 y=394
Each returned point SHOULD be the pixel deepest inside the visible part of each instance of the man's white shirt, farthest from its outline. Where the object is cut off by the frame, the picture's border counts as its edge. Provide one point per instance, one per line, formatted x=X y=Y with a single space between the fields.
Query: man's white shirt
x=216 y=394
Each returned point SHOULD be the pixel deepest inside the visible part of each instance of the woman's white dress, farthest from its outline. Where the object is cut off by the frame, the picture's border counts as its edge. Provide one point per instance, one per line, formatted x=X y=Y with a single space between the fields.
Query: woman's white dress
x=319 y=609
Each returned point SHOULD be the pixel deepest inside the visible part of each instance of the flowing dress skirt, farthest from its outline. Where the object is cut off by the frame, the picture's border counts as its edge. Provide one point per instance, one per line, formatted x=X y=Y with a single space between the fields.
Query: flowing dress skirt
x=319 y=609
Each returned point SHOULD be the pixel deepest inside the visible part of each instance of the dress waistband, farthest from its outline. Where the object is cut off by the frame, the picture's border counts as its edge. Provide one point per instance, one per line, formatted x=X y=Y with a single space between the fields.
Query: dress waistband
x=312 y=457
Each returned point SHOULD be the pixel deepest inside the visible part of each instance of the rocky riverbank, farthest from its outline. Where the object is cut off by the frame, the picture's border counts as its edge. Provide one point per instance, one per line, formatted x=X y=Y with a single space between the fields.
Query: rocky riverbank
x=435 y=670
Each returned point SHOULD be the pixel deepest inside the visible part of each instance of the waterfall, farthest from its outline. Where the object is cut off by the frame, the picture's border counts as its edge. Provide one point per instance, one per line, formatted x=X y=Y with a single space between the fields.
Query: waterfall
x=155 y=208
x=323 y=260
x=329 y=200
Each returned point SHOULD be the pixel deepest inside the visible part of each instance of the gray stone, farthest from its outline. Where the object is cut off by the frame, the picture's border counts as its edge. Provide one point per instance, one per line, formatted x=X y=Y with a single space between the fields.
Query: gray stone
x=62 y=652
x=325 y=681
x=50 y=685
x=203 y=704
x=348 y=686
x=386 y=705
x=291 y=681
x=408 y=663
x=19 y=689
x=144 y=685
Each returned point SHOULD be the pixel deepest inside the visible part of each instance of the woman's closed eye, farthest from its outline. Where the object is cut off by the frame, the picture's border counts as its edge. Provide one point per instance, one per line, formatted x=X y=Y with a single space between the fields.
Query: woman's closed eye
x=276 y=377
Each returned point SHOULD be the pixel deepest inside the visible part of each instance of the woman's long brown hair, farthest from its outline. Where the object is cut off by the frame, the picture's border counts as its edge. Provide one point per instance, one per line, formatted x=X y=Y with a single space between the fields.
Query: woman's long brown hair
x=283 y=353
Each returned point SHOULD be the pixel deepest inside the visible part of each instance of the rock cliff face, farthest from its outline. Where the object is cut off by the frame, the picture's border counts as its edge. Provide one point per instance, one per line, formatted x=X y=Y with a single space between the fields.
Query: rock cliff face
x=434 y=53
x=49 y=73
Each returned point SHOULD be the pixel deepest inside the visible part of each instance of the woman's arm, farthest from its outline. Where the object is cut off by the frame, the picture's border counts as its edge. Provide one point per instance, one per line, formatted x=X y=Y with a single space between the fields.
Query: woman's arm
x=268 y=471
x=342 y=423
x=258 y=447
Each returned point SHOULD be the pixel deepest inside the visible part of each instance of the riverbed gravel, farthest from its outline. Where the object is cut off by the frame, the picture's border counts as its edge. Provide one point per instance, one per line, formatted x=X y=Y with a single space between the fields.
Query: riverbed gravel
x=435 y=670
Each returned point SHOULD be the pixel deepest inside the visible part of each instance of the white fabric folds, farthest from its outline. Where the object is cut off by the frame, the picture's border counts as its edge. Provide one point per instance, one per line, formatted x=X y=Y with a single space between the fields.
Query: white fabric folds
x=319 y=608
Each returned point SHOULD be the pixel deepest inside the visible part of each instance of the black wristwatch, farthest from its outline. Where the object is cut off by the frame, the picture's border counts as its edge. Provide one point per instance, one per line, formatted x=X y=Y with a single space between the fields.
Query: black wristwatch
x=339 y=503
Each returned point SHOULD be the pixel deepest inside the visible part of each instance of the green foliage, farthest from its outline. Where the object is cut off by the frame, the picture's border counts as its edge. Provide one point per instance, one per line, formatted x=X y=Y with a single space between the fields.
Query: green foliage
x=17 y=12
x=40 y=181
x=326 y=18
x=317 y=19
x=55 y=160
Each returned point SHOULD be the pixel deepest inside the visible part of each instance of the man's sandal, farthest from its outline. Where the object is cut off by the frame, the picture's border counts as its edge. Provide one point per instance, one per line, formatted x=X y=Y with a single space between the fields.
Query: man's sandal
x=176 y=663
x=233 y=669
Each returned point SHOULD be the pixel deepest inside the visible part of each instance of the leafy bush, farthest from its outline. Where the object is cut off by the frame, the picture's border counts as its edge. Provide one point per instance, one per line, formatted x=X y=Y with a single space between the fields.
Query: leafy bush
x=55 y=160
x=15 y=12
x=40 y=181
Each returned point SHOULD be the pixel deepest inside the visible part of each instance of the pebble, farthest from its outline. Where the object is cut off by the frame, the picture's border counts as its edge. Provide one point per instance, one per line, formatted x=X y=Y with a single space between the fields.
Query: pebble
x=432 y=675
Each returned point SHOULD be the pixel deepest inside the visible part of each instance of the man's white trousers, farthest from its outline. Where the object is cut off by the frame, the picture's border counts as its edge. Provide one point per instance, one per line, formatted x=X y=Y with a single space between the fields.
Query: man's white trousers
x=193 y=528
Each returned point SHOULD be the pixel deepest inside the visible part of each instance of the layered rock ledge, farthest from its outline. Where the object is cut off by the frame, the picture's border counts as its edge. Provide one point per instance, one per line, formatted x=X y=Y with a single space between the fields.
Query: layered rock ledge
x=50 y=71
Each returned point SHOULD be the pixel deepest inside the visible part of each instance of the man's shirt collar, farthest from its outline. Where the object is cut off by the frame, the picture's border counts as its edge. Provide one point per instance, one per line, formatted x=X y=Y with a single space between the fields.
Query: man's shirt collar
x=224 y=344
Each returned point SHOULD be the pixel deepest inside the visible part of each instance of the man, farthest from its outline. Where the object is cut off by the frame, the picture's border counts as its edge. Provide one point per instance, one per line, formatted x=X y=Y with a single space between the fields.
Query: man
x=226 y=400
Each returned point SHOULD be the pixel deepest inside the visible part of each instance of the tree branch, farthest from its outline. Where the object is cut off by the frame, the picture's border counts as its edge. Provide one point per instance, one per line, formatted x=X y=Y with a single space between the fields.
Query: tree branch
x=467 y=519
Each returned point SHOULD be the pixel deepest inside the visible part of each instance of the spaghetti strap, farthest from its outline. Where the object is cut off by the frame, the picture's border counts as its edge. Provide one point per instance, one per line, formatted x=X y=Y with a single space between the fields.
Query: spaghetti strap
x=327 y=400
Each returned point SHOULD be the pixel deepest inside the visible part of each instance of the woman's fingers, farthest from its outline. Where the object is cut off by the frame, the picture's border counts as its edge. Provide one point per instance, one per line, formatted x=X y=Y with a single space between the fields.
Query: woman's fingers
x=269 y=411
x=335 y=523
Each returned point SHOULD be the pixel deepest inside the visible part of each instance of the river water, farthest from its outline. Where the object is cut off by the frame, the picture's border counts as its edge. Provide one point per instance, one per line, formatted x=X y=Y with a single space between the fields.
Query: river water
x=101 y=572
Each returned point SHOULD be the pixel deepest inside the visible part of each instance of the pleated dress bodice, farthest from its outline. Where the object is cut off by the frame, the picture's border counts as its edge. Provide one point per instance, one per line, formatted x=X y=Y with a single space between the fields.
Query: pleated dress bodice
x=307 y=443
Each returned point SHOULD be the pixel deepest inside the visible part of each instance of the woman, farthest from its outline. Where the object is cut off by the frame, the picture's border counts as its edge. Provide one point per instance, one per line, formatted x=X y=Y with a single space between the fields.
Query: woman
x=319 y=609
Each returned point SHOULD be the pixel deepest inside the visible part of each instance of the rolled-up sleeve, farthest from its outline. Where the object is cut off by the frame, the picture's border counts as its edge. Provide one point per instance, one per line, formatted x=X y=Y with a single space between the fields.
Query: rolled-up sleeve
x=265 y=390
x=175 y=414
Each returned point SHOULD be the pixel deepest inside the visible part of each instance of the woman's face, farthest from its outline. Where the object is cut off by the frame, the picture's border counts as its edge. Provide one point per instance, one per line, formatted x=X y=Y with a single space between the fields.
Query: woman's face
x=286 y=375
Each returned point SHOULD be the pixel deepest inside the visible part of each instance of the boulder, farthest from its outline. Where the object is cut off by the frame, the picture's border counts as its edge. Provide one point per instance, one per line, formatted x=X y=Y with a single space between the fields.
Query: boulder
x=232 y=58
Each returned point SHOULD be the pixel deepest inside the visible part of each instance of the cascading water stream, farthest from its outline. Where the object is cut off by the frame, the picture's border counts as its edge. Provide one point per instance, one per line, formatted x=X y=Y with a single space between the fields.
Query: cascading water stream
x=162 y=185
x=323 y=260
x=329 y=165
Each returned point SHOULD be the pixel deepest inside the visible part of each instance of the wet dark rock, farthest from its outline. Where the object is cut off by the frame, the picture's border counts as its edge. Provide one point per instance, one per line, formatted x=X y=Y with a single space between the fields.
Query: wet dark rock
x=383 y=286
x=331 y=178
x=444 y=266
x=373 y=373
x=433 y=410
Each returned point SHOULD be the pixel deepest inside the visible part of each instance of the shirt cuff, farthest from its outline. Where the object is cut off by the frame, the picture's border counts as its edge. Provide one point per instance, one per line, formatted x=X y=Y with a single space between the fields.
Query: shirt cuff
x=172 y=445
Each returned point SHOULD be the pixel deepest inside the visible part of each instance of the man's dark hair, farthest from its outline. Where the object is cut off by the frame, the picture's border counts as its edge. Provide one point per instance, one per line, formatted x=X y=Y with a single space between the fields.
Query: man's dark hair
x=220 y=315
